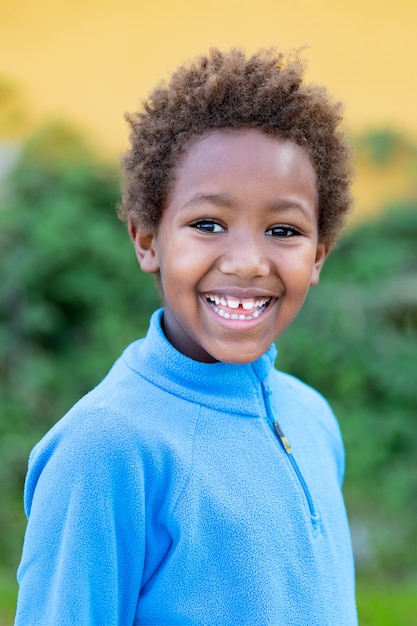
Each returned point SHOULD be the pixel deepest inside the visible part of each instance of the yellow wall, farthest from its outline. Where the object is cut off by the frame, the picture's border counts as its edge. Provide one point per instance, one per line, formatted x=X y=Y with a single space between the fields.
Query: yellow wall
x=90 y=60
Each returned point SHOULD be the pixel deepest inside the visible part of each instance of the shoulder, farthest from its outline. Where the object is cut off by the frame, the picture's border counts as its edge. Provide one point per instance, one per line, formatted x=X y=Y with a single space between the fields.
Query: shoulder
x=298 y=395
x=121 y=432
x=101 y=420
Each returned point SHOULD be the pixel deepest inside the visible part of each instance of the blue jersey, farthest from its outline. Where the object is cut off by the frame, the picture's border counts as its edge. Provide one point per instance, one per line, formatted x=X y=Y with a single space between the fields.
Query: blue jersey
x=180 y=492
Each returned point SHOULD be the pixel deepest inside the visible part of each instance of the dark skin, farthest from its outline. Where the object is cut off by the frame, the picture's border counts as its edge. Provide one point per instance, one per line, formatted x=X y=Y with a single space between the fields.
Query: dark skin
x=237 y=248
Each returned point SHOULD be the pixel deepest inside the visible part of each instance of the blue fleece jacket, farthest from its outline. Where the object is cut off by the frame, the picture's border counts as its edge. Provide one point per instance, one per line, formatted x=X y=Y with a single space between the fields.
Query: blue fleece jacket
x=168 y=496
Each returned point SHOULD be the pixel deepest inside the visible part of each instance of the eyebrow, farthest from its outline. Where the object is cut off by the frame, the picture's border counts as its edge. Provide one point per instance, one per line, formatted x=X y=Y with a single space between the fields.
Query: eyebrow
x=219 y=199
x=280 y=206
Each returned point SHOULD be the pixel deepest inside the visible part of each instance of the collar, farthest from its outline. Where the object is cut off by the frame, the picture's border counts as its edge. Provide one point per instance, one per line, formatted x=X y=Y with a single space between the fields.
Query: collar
x=221 y=386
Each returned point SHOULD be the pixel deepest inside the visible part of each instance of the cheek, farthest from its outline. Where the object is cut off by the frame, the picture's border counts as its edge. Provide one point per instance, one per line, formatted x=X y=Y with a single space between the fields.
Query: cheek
x=297 y=270
x=186 y=262
x=179 y=273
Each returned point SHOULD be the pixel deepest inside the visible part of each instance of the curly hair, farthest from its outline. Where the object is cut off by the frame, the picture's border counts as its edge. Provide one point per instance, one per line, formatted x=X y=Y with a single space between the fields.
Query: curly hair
x=226 y=90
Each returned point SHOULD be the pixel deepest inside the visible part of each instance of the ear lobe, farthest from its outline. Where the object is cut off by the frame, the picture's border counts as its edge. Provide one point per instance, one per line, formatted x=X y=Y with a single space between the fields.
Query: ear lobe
x=323 y=251
x=145 y=248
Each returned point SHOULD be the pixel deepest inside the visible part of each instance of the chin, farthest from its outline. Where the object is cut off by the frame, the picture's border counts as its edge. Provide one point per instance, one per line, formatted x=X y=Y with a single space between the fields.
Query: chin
x=239 y=358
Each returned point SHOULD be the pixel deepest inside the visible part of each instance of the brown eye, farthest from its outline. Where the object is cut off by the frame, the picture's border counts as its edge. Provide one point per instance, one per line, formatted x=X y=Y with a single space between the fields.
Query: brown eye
x=282 y=232
x=208 y=226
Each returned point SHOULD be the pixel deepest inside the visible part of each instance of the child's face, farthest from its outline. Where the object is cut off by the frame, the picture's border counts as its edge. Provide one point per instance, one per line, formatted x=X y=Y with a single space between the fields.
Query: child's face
x=237 y=246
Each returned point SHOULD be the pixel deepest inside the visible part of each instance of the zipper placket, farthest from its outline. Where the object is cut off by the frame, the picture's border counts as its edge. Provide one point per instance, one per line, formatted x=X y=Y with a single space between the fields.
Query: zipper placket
x=315 y=517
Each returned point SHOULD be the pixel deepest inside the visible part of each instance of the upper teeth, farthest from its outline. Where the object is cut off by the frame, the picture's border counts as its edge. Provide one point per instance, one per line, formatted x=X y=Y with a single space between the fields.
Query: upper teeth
x=233 y=303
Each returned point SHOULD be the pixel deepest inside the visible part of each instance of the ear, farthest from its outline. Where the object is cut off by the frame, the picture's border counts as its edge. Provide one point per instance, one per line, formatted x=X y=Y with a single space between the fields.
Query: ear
x=145 y=248
x=322 y=252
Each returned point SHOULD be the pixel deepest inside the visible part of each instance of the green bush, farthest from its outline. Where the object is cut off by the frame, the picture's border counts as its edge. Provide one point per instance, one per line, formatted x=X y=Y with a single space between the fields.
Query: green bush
x=71 y=296
x=383 y=146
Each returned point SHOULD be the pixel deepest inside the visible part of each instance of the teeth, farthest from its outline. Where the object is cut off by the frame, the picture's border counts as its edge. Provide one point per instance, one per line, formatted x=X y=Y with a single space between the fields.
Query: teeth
x=256 y=306
x=248 y=304
x=233 y=303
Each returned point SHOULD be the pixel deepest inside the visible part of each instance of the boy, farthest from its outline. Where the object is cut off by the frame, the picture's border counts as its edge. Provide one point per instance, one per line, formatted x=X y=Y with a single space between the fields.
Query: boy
x=170 y=493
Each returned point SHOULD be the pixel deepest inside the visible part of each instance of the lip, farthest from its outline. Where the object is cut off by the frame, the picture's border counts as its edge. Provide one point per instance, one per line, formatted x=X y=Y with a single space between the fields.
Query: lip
x=240 y=292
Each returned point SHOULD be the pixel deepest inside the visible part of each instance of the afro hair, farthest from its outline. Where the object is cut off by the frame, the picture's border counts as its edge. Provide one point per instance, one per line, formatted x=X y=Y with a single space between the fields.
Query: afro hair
x=228 y=90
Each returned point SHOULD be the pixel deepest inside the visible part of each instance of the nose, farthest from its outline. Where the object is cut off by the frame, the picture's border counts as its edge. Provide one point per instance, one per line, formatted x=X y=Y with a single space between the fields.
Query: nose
x=245 y=257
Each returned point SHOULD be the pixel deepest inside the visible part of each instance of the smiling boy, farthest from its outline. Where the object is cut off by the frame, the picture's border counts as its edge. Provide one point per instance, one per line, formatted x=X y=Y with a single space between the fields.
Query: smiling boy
x=197 y=484
x=237 y=247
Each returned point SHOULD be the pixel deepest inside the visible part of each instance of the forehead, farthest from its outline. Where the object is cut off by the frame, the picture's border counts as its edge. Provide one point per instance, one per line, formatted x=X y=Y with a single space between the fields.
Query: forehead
x=235 y=159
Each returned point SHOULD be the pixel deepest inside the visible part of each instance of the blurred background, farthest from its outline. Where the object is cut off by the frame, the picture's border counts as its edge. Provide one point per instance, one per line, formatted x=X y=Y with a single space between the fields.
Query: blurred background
x=72 y=297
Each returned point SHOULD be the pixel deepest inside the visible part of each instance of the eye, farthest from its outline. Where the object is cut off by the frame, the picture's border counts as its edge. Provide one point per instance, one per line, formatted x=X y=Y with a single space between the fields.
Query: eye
x=283 y=232
x=208 y=226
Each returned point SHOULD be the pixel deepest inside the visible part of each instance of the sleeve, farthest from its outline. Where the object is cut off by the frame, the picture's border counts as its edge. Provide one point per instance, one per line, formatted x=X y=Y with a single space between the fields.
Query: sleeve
x=83 y=554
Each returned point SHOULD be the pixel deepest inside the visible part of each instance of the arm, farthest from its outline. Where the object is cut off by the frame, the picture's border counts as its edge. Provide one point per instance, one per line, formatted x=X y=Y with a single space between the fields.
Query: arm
x=84 y=547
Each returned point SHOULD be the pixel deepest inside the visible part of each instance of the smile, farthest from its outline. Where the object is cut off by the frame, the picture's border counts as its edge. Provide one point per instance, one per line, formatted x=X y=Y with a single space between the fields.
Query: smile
x=239 y=308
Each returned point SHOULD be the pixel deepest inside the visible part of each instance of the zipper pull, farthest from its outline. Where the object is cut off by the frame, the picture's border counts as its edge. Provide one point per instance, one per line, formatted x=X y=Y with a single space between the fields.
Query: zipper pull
x=282 y=437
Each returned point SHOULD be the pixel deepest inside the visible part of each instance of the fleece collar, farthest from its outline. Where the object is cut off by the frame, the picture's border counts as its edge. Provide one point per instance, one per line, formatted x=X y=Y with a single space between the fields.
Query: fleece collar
x=220 y=386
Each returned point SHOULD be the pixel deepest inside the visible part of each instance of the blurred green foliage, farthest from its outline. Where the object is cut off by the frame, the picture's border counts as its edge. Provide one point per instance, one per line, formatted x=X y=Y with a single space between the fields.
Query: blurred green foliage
x=72 y=297
x=385 y=146
x=386 y=605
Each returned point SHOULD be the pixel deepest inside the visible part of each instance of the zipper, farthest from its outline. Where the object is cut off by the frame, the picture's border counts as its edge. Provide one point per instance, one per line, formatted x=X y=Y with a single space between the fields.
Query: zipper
x=314 y=515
